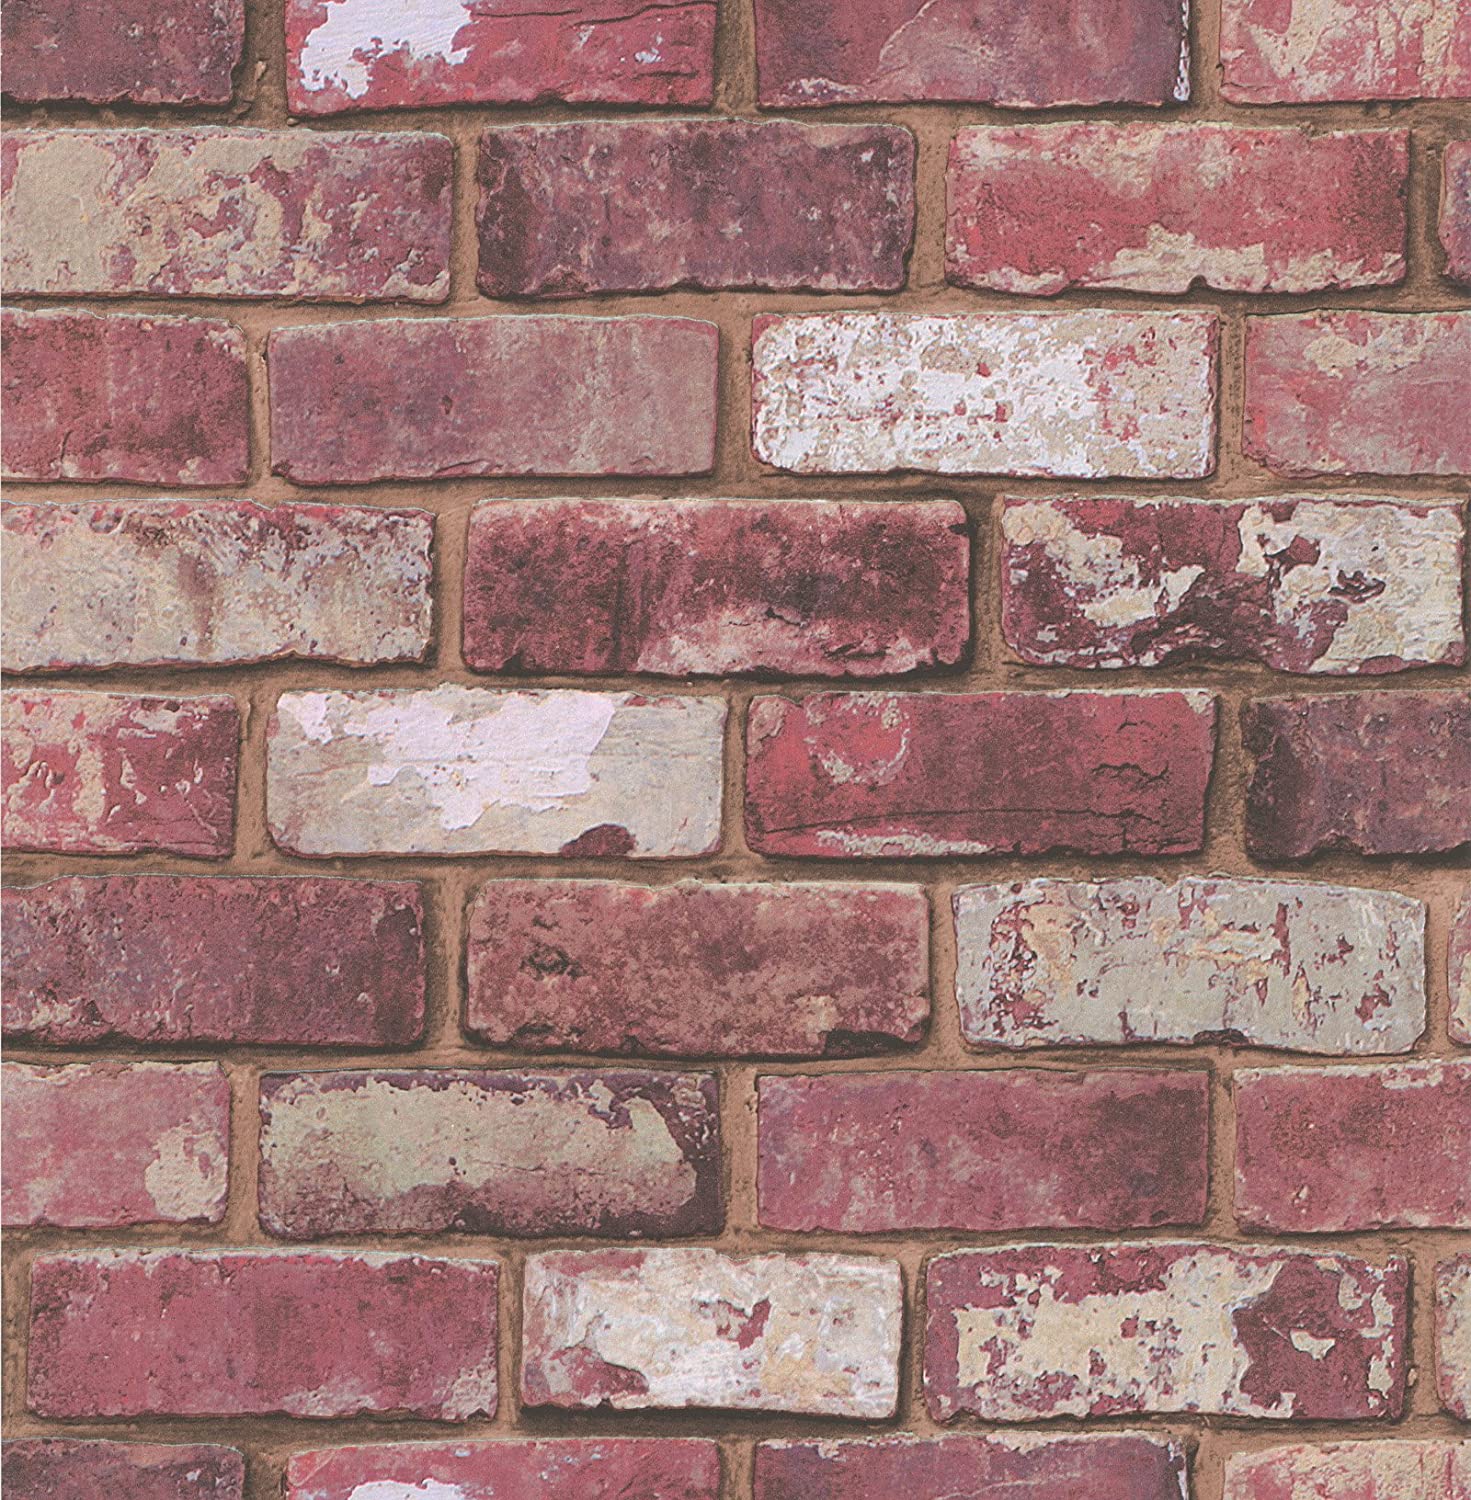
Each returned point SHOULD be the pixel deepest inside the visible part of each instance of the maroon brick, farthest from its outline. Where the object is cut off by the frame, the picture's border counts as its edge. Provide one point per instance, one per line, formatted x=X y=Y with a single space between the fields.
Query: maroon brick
x=109 y=773
x=151 y=400
x=1039 y=208
x=614 y=1154
x=166 y=959
x=124 y=1333
x=1453 y=1336
x=1455 y=210
x=136 y=50
x=867 y=774
x=1380 y=773
x=73 y=1469
x=1325 y=1149
x=642 y=206
x=1043 y=54
x=789 y=970
x=1359 y=393
x=430 y=398
x=866 y=1153
x=811 y=588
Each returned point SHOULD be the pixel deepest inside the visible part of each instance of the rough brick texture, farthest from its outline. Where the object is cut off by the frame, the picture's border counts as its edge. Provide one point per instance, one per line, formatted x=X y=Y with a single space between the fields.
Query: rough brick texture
x=1455 y=211
x=77 y=1469
x=1453 y=1335
x=1458 y=972
x=1404 y=1470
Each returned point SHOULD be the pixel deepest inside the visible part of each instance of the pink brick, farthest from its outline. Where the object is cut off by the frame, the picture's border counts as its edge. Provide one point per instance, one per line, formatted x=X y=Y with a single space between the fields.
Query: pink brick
x=869 y=1153
x=1038 y=208
x=1036 y=1331
x=229 y=213
x=122 y=49
x=151 y=400
x=1380 y=773
x=166 y=959
x=786 y=969
x=811 y=588
x=352 y=54
x=1453 y=1337
x=124 y=1333
x=109 y=773
x=868 y=774
x=1433 y=1469
x=1044 y=54
x=641 y=206
x=102 y=1144
x=1359 y=393
x=1458 y=972
x=75 y=1469
x=441 y=398
x=1455 y=210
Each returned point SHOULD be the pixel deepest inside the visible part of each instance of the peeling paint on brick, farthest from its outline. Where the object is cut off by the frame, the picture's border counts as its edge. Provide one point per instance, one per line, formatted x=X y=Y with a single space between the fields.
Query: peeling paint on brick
x=1453 y=1337
x=1435 y=1469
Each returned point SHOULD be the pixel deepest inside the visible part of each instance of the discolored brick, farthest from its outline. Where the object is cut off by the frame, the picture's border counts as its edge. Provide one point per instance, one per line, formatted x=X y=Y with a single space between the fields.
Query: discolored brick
x=1458 y=972
x=1405 y=1469
x=78 y=1469
x=1455 y=210
x=1453 y=1336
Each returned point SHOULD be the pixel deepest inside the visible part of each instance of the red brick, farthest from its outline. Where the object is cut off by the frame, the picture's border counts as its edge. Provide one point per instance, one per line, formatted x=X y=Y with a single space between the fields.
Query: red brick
x=869 y=774
x=868 y=1153
x=548 y=1469
x=165 y=959
x=430 y=398
x=100 y=1144
x=1380 y=773
x=643 y=206
x=1437 y=1469
x=1036 y=1331
x=72 y=1469
x=1453 y=1337
x=1124 y=1466
x=1038 y=208
x=109 y=773
x=1458 y=972
x=791 y=969
x=122 y=49
x=124 y=1333
x=1319 y=1150
x=1044 y=54
x=810 y=588
x=229 y=213
x=1455 y=210
x=1359 y=393
x=614 y=1154
x=354 y=54
x=151 y=400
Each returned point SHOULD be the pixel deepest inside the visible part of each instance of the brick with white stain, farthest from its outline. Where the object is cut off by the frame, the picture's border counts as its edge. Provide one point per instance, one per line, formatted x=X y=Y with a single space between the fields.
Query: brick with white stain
x=1426 y=1469
x=1453 y=1335
x=1455 y=210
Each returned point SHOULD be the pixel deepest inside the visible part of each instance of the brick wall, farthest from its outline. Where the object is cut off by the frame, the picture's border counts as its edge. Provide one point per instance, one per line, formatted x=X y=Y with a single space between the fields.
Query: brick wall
x=740 y=774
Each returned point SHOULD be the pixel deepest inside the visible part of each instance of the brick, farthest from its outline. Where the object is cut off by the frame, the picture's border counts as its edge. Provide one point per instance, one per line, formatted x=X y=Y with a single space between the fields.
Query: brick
x=807 y=588
x=1436 y=1469
x=1089 y=394
x=1046 y=54
x=1320 y=1150
x=616 y=1154
x=634 y=1329
x=124 y=1333
x=1035 y=209
x=549 y=1469
x=122 y=50
x=214 y=582
x=1453 y=1338
x=869 y=1153
x=150 y=400
x=783 y=970
x=1455 y=210
x=432 y=398
x=111 y=773
x=641 y=206
x=869 y=774
x=72 y=1469
x=1380 y=773
x=1122 y=1466
x=1301 y=583
x=103 y=1144
x=1027 y=1332
x=1359 y=393
x=1304 y=51
x=453 y=770
x=228 y=213
x=361 y=54
x=165 y=959
x=1458 y=975
x=1311 y=968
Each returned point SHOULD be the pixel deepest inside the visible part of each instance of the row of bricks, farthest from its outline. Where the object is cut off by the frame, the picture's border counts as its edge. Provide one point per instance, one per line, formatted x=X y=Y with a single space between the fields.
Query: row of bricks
x=698 y=970
x=636 y=1153
x=468 y=770
x=1091 y=394
x=351 y=54
x=1011 y=1334
x=568 y=210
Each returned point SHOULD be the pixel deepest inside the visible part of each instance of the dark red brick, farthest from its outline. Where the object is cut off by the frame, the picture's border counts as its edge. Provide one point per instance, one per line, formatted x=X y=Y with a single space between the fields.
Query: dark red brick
x=75 y=1469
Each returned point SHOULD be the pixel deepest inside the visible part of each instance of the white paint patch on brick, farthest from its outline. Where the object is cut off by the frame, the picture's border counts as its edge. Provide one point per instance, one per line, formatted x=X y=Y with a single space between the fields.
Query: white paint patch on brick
x=356 y=34
x=1453 y=1335
x=1438 y=1469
